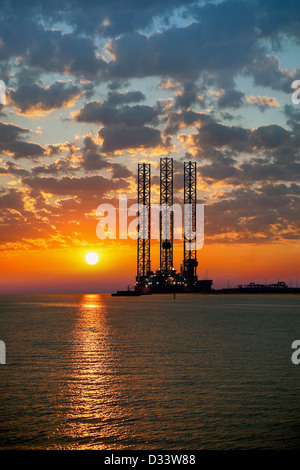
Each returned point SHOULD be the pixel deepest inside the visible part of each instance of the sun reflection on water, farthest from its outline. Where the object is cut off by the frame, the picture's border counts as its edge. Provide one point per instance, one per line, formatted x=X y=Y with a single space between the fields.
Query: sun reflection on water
x=90 y=302
x=94 y=414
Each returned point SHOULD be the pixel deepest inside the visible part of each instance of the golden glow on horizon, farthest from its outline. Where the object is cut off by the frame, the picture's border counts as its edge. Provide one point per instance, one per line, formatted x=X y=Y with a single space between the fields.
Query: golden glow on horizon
x=64 y=270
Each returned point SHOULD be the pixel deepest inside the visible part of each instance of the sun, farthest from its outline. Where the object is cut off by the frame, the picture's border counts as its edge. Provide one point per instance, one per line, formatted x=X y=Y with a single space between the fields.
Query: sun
x=91 y=257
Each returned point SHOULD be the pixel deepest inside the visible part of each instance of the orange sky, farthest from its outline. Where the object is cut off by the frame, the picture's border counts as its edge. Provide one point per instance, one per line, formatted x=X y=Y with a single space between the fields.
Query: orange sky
x=66 y=271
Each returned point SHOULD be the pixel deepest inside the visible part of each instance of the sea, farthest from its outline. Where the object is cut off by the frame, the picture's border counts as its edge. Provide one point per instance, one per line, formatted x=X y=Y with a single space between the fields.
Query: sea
x=195 y=372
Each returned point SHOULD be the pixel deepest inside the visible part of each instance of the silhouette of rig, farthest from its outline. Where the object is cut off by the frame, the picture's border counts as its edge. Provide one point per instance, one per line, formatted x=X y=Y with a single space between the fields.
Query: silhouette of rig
x=166 y=279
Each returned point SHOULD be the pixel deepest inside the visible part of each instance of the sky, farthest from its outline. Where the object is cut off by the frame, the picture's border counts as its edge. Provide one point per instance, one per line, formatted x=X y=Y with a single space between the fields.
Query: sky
x=95 y=87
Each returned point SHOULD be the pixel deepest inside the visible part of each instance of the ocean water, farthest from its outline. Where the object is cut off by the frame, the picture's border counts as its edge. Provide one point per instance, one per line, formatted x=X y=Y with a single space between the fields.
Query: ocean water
x=191 y=373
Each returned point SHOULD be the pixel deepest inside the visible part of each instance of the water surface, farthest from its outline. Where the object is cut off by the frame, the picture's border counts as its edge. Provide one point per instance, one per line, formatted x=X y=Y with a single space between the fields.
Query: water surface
x=195 y=372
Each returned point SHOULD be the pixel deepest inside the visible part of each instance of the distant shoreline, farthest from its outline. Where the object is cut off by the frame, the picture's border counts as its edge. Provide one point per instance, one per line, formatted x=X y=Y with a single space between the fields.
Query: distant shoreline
x=232 y=291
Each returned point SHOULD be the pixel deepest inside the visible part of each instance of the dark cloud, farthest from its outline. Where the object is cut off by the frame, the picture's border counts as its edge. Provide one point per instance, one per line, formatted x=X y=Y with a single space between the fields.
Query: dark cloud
x=115 y=98
x=117 y=84
x=33 y=97
x=185 y=118
x=231 y=99
x=113 y=18
x=280 y=189
x=270 y=136
x=63 y=165
x=10 y=132
x=216 y=134
x=181 y=53
x=266 y=72
x=97 y=185
x=276 y=17
x=237 y=138
x=48 y=50
x=10 y=168
x=188 y=96
x=10 y=143
x=91 y=160
x=293 y=116
x=120 y=171
x=269 y=171
x=246 y=215
x=226 y=168
x=24 y=150
x=223 y=39
x=13 y=199
x=115 y=111
x=122 y=137
x=110 y=115
x=91 y=157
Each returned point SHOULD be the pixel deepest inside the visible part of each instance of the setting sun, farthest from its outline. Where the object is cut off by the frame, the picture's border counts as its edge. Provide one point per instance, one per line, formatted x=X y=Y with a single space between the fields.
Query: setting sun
x=91 y=257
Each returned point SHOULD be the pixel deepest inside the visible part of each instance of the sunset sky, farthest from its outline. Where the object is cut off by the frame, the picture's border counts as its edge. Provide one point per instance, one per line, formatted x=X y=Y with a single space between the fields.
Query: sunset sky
x=95 y=87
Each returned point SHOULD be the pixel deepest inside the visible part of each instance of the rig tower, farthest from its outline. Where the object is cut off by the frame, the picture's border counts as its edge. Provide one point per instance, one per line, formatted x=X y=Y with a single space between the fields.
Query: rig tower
x=144 y=217
x=190 y=199
x=166 y=226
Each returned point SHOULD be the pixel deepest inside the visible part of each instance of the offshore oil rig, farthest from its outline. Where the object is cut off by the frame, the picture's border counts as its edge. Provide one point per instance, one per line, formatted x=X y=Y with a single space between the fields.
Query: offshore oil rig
x=166 y=278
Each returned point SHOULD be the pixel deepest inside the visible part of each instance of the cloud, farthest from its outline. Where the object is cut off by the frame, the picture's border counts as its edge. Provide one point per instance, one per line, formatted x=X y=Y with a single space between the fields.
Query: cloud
x=35 y=99
x=263 y=102
x=61 y=166
x=93 y=160
x=270 y=136
x=221 y=39
x=115 y=111
x=293 y=116
x=277 y=17
x=91 y=157
x=97 y=185
x=178 y=53
x=116 y=17
x=266 y=72
x=21 y=149
x=10 y=132
x=109 y=115
x=13 y=199
x=246 y=215
x=184 y=119
x=216 y=134
x=115 y=98
x=188 y=96
x=239 y=139
x=10 y=168
x=48 y=50
x=11 y=145
x=120 y=171
x=231 y=99
x=123 y=137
